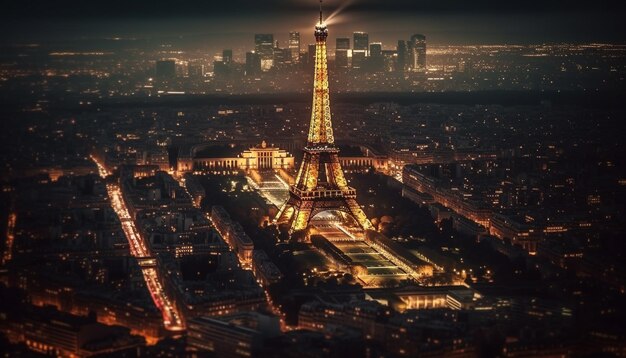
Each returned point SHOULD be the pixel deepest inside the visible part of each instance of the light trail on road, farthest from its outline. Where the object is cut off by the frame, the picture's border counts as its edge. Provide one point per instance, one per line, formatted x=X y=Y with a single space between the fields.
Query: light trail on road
x=171 y=317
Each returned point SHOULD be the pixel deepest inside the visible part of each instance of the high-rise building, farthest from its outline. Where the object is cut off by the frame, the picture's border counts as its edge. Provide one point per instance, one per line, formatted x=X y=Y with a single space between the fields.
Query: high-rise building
x=417 y=53
x=361 y=41
x=294 y=46
x=227 y=56
x=165 y=69
x=376 y=49
x=359 y=49
x=401 y=60
x=253 y=63
x=342 y=52
x=376 y=56
x=358 y=58
x=264 y=47
x=343 y=43
x=282 y=56
x=389 y=60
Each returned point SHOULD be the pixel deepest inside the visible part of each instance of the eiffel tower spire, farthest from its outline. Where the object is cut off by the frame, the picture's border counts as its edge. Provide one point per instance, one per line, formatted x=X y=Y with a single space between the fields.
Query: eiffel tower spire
x=321 y=129
x=320 y=184
x=320 y=11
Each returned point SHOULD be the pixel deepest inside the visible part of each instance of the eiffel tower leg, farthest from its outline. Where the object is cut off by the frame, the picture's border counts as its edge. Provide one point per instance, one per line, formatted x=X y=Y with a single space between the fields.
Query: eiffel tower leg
x=358 y=214
x=302 y=216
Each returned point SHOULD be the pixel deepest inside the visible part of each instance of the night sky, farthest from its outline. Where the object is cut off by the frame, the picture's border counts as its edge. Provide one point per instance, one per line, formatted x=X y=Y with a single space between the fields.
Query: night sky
x=443 y=21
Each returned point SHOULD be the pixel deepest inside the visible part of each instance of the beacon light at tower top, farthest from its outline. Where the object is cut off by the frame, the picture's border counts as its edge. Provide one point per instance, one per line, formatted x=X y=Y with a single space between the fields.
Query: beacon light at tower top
x=321 y=25
x=337 y=15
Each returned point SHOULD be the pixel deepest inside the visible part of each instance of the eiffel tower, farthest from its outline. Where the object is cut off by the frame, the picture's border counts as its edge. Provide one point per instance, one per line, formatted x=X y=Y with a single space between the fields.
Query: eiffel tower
x=320 y=184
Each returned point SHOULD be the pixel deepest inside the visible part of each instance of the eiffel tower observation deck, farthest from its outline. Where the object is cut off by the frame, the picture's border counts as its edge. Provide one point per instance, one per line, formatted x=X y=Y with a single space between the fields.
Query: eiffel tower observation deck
x=320 y=185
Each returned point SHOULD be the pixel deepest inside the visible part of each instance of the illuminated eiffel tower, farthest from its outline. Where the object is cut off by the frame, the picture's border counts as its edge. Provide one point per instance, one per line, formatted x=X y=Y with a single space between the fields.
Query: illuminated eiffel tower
x=320 y=184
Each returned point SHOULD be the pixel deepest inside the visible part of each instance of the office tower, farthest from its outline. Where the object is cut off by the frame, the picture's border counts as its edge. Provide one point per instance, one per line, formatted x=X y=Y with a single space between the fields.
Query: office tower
x=359 y=49
x=376 y=56
x=264 y=47
x=320 y=184
x=361 y=41
x=376 y=49
x=165 y=69
x=342 y=52
x=294 y=46
x=282 y=56
x=417 y=53
x=253 y=63
x=358 y=58
x=227 y=56
x=389 y=60
x=401 y=60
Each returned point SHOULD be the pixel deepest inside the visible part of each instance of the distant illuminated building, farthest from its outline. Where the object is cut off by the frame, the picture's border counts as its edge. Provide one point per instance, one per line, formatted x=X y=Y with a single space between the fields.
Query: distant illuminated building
x=227 y=56
x=361 y=41
x=260 y=157
x=165 y=69
x=264 y=47
x=389 y=60
x=417 y=53
x=359 y=51
x=376 y=49
x=342 y=52
x=376 y=56
x=402 y=56
x=282 y=56
x=294 y=46
x=253 y=64
x=358 y=58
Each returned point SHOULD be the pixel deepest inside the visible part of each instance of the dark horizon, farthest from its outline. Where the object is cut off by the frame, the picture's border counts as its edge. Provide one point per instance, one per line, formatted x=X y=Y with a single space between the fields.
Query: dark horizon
x=447 y=22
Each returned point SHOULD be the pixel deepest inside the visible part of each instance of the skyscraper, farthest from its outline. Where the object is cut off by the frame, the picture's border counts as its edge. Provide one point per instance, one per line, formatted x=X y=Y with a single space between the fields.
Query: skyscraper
x=264 y=47
x=389 y=60
x=227 y=56
x=401 y=61
x=417 y=53
x=253 y=63
x=342 y=50
x=376 y=56
x=359 y=51
x=361 y=41
x=282 y=56
x=294 y=46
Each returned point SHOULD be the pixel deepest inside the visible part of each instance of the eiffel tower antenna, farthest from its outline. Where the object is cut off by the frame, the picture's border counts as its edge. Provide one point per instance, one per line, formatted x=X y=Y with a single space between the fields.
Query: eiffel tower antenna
x=320 y=11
